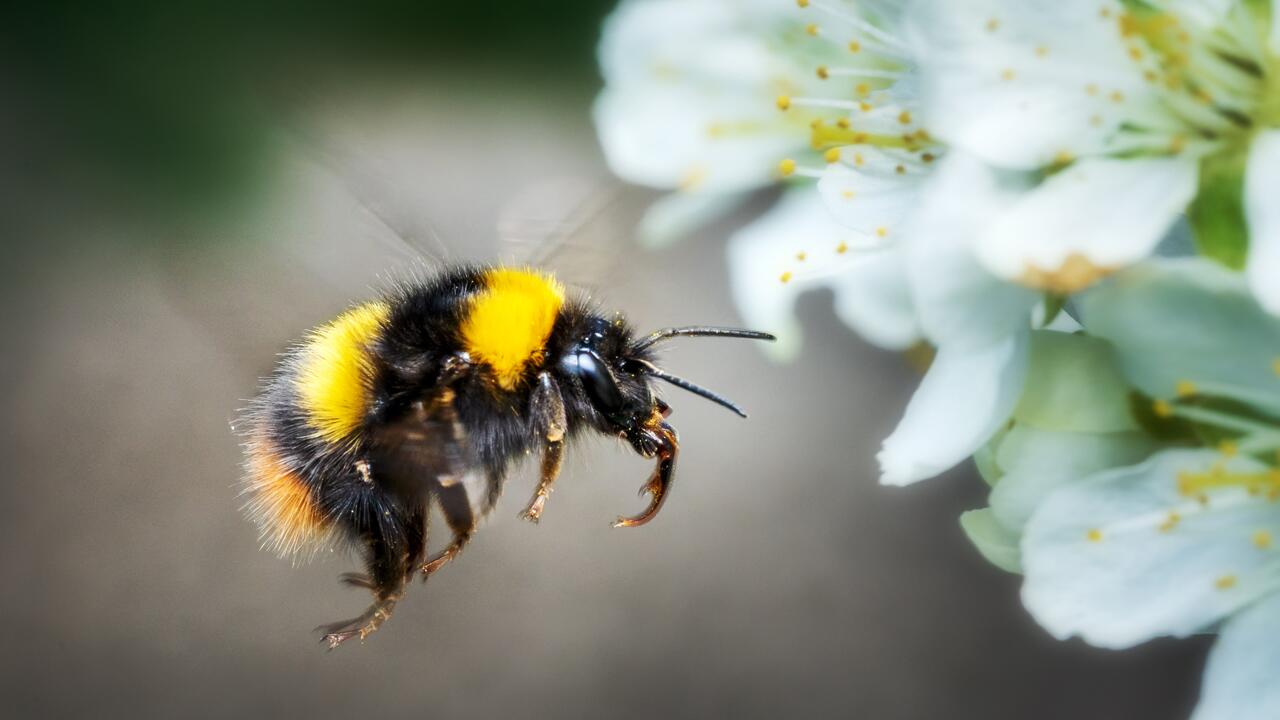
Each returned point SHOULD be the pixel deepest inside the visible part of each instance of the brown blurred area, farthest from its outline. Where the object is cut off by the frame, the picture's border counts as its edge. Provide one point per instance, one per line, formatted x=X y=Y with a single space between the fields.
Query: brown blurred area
x=779 y=581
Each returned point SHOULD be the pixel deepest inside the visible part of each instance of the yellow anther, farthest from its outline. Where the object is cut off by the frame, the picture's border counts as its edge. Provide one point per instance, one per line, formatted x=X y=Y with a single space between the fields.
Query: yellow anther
x=865 y=106
x=811 y=28
x=855 y=46
x=1116 y=96
x=993 y=25
x=823 y=73
x=1150 y=75
x=783 y=102
x=1228 y=448
x=882 y=231
x=928 y=157
x=1095 y=120
x=904 y=117
x=1170 y=522
x=1135 y=53
x=1178 y=143
x=1091 y=89
x=802 y=3
x=843 y=124
x=862 y=88
x=1094 y=535
x=801 y=256
x=832 y=155
x=901 y=170
x=1226 y=582
x=1262 y=539
x=1042 y=51
x=1185 y=388
x=842 y=248
x=1063 y=157
x=847 y=194
x=1104 y=13
x=785 y=277
x=1275 y=366
x=1007 y=74
x=858 y=159
x=693 y=177
x=787 y=167
x=1162 y=408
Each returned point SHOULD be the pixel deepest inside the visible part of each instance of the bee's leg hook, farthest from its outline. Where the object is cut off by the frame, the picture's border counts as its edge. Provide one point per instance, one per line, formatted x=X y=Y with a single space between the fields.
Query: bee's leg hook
x=658 y=440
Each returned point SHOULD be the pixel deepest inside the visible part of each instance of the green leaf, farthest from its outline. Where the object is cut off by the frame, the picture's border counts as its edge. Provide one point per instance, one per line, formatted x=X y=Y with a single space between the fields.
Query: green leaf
x=1217 y=213
x=1073 y=385
x=998 y=545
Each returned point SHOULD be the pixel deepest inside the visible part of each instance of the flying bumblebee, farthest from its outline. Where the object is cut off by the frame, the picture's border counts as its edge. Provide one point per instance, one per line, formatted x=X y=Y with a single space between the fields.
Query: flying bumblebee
x=428 y=395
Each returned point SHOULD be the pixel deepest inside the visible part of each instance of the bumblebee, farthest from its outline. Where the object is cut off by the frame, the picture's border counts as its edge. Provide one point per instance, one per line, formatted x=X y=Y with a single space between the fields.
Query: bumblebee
x=428 y=395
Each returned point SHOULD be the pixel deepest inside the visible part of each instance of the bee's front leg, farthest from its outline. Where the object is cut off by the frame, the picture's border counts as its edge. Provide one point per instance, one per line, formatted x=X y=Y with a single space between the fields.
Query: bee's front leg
x=547 y=411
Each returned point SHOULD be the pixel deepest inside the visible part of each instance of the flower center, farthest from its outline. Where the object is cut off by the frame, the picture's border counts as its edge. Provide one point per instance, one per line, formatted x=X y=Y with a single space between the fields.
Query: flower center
x=1214 y=74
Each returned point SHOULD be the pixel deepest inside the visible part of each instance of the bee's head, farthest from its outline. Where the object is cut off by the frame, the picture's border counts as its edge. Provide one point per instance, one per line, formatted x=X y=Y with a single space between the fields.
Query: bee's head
x=610 y=371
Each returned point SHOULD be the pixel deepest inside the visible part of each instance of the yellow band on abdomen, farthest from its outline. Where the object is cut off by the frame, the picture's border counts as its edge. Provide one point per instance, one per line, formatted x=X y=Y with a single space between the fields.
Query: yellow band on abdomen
x=335 y=375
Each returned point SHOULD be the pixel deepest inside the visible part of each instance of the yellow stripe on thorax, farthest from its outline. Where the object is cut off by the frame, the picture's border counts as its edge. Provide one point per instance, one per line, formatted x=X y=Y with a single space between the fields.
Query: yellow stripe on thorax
x=509 y=321
x=335 y=375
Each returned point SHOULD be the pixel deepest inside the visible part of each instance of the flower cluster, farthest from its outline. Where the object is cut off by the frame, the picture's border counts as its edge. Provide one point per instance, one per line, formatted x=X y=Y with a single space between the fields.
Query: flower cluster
x=1076 y=205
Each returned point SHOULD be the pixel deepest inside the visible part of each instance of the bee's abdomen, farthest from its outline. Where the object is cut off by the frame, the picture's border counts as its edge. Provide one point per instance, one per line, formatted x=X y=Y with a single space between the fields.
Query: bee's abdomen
x=282 y=502
x=334 y=372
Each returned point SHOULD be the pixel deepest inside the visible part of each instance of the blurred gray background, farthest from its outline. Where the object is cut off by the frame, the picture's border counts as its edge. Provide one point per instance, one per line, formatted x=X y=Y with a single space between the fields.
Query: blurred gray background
x=779 y=581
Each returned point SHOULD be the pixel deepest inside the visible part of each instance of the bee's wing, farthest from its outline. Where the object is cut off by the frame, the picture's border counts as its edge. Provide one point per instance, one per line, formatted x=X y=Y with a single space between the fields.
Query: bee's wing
x=426 y=445
x=574 y=227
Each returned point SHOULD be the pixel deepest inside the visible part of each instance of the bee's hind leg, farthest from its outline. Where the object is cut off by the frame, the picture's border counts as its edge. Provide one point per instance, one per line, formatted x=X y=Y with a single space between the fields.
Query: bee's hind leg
x=390 y=565
x=455 y=505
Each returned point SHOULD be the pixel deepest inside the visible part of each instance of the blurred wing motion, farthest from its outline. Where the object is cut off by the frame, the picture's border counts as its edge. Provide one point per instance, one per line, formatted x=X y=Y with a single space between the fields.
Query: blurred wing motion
x=570 y=226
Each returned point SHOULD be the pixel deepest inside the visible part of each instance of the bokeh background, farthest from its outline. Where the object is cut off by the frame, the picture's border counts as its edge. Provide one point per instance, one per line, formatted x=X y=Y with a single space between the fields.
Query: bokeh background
x=188 y=186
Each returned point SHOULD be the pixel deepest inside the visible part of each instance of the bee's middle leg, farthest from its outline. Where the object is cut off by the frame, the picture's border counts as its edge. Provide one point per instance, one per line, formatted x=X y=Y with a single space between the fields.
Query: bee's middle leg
x=547 y=411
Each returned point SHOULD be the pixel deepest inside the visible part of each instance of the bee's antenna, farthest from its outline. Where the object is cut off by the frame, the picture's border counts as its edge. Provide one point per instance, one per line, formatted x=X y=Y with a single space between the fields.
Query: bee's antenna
x=699 y=331
x=652 y=370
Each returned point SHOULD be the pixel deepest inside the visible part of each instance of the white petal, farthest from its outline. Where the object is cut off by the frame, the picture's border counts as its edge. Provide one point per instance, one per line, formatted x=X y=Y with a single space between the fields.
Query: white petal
x=1188 y=319
x=1020 y=83
x=867 y=192
x=689 y=92
x=1262 y=209
x=1037 y=462
x=1104 y=213
x=965 y=397
x=1124 y=556
x=1240 y=677
x=870 y=289
x=959 y=302
x=661 y=136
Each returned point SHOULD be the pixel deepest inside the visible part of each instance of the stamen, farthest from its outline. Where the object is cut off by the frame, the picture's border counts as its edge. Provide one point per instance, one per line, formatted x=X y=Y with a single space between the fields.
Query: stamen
x=1226 y=582
x=1093 y=535
x=1262 y=539
x=824 y=71
x=864 y=26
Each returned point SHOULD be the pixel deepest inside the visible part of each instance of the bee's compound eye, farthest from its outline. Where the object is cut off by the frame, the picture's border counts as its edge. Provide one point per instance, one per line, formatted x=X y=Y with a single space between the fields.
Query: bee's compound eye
x=596 y=378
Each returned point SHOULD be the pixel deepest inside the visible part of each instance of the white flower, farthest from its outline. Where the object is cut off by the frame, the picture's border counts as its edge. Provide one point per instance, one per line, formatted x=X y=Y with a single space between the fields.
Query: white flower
x=1129 y=111
x=690 y=100
x=1190 y=538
